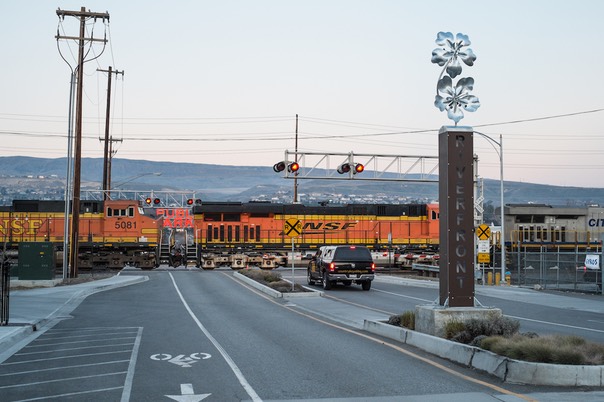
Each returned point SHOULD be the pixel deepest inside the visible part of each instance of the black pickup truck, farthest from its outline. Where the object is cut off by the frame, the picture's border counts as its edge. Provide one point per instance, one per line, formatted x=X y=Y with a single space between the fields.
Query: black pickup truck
x=345 y=264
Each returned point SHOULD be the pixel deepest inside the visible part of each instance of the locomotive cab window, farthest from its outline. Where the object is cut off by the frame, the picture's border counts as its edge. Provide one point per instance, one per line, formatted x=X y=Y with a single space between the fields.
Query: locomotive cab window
x=120 y=212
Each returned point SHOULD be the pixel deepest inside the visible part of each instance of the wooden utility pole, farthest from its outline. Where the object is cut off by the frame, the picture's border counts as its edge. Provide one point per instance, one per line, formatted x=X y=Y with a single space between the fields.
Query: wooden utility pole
x=83 y=15
x=296 y=160
x=106 y=156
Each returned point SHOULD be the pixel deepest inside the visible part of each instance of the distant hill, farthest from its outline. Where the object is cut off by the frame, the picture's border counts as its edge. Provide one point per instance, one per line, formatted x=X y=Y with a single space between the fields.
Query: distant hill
x=244 y=183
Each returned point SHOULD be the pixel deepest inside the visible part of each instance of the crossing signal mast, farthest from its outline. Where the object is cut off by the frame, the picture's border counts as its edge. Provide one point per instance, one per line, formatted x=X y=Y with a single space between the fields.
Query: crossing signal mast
x=318 y=165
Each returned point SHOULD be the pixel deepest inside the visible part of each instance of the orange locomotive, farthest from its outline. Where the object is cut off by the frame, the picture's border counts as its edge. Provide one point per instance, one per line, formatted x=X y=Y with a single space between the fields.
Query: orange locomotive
x=112 y=233
x=234 y=227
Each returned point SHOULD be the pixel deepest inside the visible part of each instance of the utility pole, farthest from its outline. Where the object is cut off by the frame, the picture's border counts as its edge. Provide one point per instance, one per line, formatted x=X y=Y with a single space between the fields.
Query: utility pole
x=296 y=160
x=82 y=15
x=106 y=157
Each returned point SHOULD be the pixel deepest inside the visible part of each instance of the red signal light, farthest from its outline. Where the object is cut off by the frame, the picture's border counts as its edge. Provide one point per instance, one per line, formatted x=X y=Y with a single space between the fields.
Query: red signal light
x=293 y=167
x=156 y=201
x=358 y=168
x=190 y=201
x=148 y=201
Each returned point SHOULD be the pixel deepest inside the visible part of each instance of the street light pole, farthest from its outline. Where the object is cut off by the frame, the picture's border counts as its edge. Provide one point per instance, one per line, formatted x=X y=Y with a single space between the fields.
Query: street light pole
x=502 y=236
x=138 y=176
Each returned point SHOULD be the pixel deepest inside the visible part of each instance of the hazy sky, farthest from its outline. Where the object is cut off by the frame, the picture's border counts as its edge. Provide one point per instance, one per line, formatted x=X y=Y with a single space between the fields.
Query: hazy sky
x=221 y=81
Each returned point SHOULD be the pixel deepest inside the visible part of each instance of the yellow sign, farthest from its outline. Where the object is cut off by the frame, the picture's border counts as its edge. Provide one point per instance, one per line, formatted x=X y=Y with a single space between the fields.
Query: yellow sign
x=292 y=227
x=483 y=232
x=484 y=258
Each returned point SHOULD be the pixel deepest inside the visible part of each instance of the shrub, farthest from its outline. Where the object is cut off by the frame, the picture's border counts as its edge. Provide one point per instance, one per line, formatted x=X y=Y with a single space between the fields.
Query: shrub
x=405 y=320
x=467 y=331
x=555 y=349
x=408 y=319
x=395 y=320
x=272 y=280
x=453 y=327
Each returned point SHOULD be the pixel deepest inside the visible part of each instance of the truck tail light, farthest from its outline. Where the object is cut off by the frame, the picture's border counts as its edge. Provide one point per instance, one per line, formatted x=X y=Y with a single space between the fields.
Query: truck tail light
x=373 y=267
x=332 y=267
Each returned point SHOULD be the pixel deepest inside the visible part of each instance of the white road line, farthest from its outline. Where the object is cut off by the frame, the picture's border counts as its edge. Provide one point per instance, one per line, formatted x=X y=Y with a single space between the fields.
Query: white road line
x=130 y=376
x=404 y=296
x=556 y=324
x=63 y=368
x=105 y=345
x=68 y=357
x=62 y=380
x=248 y=388
x=511 y=316
x=47 y=397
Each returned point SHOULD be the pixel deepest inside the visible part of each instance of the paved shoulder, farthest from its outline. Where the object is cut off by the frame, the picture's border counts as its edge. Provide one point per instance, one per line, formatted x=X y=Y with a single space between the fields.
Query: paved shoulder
x=31 y=309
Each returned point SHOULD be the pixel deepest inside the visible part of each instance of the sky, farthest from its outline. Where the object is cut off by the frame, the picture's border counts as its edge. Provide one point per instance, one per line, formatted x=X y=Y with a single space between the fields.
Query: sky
x=221 y=82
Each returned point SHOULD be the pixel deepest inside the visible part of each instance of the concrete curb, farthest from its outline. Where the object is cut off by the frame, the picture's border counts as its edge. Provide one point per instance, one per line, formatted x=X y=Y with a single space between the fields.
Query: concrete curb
x=275 y=293
x=509 y=370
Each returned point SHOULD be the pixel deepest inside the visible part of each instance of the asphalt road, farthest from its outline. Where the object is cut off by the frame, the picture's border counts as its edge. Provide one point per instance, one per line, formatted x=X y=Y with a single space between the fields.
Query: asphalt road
x=204 y=335
x=550 y=312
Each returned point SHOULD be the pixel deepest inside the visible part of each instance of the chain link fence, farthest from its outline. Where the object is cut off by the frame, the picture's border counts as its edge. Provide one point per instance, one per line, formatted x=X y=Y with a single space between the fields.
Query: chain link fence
x=554 y=269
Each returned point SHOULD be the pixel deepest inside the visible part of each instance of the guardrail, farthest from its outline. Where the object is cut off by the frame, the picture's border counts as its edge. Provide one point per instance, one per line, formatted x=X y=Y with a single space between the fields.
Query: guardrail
x=426 y=270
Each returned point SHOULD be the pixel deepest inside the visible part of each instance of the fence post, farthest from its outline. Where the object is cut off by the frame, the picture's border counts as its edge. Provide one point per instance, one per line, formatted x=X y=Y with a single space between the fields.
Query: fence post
x=4 y=290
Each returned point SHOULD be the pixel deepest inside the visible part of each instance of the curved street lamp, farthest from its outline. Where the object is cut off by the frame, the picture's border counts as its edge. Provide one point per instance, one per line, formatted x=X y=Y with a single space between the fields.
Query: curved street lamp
x=132 y=178
x=502 y=237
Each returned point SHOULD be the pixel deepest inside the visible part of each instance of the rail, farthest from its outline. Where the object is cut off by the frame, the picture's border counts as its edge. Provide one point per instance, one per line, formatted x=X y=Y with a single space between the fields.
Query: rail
x=426 y=270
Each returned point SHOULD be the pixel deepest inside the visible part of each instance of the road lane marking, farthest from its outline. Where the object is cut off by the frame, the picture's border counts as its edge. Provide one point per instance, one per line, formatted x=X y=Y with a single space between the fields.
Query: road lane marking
x=403 y=296
x=181 y=360
x=248 y=388
x=506 y=315
x=188 y=395
x=555 y=324
x=127 y=390
x=386 y=343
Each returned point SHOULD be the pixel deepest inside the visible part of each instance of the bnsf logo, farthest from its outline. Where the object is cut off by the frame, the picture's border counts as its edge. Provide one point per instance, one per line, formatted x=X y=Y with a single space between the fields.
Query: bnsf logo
x=20 y=227
x=328 y=225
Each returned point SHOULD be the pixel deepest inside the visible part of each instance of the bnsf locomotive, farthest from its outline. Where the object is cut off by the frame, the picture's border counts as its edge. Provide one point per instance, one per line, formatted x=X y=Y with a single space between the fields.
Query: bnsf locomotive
x=228 y=228
x=112 y=233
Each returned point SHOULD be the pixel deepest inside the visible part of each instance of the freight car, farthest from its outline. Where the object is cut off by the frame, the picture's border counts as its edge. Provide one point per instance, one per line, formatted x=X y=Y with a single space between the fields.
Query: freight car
x=113 y=233
x=235 y=233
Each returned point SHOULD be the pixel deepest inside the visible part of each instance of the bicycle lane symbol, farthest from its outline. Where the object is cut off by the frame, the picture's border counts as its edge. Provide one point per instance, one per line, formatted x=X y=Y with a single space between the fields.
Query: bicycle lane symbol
x=181 y=360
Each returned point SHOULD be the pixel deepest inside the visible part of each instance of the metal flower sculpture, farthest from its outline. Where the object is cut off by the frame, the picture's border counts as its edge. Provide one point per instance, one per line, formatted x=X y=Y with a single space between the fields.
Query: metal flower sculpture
x=455 y=97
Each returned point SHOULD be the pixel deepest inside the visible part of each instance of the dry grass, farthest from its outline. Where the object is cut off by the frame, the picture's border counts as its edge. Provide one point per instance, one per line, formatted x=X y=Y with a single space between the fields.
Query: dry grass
x=405 y=320
x=555 y=349
x=271 y=279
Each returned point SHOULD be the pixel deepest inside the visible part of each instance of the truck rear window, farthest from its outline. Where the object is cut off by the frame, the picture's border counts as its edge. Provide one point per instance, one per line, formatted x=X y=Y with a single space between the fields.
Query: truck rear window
x=352 y=254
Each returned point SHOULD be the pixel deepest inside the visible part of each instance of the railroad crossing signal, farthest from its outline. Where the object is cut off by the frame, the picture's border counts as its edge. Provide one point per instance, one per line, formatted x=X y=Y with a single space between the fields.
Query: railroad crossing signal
x=483 y=232
x=292 y=227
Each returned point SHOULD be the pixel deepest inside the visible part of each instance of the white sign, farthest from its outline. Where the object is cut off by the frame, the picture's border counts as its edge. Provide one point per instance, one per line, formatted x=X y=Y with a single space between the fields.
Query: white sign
x=484 y=246
x=592 y=261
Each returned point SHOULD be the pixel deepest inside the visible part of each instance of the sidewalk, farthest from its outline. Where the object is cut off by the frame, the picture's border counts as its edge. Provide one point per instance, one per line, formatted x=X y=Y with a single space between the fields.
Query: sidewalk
x=31 y=309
